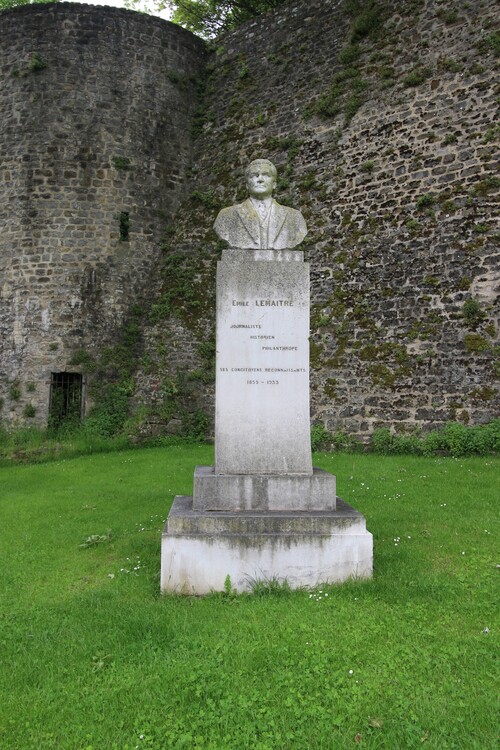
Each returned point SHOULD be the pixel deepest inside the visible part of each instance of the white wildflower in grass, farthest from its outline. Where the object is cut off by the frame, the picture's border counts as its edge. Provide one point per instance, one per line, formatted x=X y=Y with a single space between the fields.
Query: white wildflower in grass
x=351 y=671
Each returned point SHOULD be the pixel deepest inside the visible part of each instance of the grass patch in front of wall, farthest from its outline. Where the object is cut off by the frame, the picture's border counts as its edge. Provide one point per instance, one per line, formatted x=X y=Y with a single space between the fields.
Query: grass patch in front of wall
x=94 y=657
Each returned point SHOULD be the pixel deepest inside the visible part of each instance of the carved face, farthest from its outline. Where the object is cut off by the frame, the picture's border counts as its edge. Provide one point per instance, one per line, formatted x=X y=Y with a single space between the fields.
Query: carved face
x=260 y=180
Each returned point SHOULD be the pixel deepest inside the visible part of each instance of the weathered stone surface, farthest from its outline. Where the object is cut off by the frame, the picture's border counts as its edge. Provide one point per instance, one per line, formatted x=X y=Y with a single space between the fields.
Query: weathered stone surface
x=262 y=368
x=260 y=222
x=96 y=110
x=263 y=492
x=200 y=549
x=389 y=277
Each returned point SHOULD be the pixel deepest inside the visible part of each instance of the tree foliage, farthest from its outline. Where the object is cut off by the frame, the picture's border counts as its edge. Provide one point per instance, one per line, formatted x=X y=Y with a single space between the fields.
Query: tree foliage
x=6 y=4
x=209 y=18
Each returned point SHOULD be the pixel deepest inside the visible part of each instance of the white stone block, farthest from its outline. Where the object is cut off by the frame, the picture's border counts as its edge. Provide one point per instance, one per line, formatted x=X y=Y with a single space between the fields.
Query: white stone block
x=262 y=420
x=199 y=550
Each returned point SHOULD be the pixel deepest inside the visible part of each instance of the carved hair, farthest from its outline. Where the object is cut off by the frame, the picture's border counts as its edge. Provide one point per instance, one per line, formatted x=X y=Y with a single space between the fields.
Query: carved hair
x=268 y=163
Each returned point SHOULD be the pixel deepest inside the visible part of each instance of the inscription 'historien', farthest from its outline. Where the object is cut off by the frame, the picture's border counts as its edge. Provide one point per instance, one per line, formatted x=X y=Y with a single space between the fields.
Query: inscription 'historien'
x=262 y=368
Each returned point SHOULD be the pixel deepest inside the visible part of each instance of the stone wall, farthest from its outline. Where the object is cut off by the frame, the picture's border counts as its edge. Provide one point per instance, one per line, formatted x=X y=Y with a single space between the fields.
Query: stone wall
x=383 y=127
x=386 y=139
x=96 y=106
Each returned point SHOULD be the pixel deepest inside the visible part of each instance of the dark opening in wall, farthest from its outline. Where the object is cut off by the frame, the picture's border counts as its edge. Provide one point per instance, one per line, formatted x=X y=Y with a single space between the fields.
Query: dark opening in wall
x=124 y=225
x=66 y=402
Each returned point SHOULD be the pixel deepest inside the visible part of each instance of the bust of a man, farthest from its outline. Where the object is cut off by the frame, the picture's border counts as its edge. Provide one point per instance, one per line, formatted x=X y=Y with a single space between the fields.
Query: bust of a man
x=260 y=222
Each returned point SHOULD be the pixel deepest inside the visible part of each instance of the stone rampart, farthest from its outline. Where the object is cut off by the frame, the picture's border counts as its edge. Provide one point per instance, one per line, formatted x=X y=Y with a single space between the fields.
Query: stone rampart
x=96 y=106
x=386 y=140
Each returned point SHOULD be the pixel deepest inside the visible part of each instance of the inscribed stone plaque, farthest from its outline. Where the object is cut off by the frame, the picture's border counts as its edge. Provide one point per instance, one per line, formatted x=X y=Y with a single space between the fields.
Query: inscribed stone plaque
x=262 y=421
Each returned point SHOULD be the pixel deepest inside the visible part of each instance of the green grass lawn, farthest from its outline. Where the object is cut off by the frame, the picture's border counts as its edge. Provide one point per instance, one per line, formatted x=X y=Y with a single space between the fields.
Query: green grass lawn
x=93 y=657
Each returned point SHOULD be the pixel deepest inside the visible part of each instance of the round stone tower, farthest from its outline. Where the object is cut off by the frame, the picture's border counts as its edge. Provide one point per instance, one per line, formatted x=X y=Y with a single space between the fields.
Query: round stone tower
x=96 y=106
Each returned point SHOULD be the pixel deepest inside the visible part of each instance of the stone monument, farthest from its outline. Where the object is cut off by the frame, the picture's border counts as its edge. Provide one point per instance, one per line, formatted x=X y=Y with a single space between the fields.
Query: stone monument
x=262 y=511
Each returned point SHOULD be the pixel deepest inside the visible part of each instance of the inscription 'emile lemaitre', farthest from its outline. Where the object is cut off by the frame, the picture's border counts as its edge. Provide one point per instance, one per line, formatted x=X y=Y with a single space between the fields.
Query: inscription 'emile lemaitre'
x=265 y=303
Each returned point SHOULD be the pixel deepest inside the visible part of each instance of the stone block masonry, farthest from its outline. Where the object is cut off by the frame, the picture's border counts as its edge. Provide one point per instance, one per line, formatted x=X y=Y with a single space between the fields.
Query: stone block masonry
x=389 y=145
x=96 y=107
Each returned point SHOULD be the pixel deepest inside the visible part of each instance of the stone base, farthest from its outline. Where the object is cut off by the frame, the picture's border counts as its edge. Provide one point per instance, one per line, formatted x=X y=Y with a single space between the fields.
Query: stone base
x=200 y=549
x=263 y=492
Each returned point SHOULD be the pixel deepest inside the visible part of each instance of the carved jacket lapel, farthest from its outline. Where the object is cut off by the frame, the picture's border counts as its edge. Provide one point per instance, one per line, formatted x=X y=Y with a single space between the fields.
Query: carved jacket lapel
x=278 y=217
x=250 y=220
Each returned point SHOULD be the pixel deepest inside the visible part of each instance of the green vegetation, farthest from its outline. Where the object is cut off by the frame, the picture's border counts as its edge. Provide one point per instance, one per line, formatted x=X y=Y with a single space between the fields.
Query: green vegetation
x=14 y=391
x=37 y=63
x=367 y=16
x=427 y=200
x=368 y=166
x=32 y=444
x=416 y=77
x=448 y=16
x=346 y=95
x=93 y=657
x=472 y=313
x=121 y=162
x=111 y=384
x=29 y=411
x=474 y=342
x=124 y=225
x=454 y=439
x=490 y=43
x=6 y=4
x=486 y=186
x=209 y=18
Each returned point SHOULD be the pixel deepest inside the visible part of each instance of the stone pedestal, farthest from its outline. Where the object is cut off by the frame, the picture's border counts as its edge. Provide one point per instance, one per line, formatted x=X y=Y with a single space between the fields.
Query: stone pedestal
x=262 y=423
x=262 y=512
x=200 y=549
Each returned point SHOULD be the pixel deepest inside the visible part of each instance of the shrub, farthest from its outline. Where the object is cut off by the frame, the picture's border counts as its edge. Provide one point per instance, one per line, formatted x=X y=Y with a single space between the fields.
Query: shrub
x=472 y=313
x=349 y=54
x=320 y=437
x=425 y=201
x=110 y=413
x=37 y=63
x=14 y=392
x=416 y=77
x=382 y=441
x=366 y=23
x=491 y=43
x=474 y=342
x=121 y=162
x=455 y=439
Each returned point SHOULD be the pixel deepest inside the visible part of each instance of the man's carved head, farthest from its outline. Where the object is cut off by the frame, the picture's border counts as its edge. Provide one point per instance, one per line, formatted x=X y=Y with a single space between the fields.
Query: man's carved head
x=261 y=175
